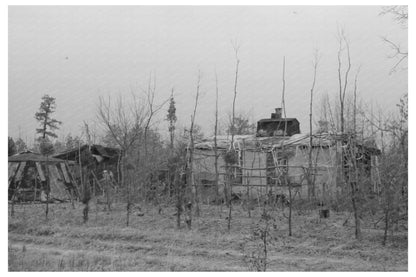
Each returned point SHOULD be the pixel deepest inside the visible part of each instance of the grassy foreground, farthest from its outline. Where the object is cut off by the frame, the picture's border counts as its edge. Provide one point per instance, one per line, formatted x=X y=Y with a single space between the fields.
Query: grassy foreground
x=152 y=242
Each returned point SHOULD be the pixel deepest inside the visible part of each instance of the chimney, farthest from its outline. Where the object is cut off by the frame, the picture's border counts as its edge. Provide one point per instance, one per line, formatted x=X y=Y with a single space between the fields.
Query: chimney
x=277 y=114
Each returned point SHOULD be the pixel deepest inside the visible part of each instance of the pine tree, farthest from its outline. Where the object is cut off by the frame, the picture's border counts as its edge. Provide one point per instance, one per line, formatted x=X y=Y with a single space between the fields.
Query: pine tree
x=171 y=117
x=48 y=124
x=12 y=147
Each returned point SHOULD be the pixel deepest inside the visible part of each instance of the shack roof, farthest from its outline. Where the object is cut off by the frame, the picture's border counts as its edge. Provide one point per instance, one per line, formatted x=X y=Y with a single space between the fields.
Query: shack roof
x=268 y=143
x=324 y=139
x=249 y=141
x=96 y=149
x=29 y=156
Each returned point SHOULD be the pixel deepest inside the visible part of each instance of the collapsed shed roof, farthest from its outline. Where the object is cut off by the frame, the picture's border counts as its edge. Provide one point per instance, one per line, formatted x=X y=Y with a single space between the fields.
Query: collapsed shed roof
x=29 y=156
x=96 y=149
x=42 y=168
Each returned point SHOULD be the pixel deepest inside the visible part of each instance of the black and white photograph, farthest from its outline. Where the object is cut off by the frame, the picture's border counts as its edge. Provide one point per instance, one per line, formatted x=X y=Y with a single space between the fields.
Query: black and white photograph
x=200 y=138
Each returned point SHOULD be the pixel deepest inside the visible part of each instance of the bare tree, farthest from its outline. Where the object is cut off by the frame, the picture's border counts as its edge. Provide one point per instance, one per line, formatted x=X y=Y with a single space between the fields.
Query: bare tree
x=398 y=53
x=215 y=139
x=311 y=178
x=286 y=181
x=400 y=15
x=393 y=166
x=191 y=177
x=355 y=183
x=343 y=44
x=231 y=155
x=242 y=124
x=86 y=189
x=151 y=110
x=284 y=87
x=328 y=120
x=125 y=123
x=284 y=171
x=236 y=47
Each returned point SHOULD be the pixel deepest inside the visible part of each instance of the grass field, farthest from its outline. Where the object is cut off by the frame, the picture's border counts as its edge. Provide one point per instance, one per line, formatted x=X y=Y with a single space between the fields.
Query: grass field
x=152 y=242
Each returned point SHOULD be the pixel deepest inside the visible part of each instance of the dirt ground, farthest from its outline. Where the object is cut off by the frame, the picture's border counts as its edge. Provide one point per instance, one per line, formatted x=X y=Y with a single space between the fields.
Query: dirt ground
x=153 y=243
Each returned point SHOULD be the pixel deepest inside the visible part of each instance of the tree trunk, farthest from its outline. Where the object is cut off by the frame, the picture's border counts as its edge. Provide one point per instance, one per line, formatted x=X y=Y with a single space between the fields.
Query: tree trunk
x=47 y=206
x=85 y=212
x=107 y=191
x=12 y=210
x=48 y=186
x=230 y=186
x=386 y=226
x=290 y=208
x=355 y=207
x=177 y=183
x=128 y=205
x=188 y=214
x=217 y=193
x=265 y=246
x=72 y=199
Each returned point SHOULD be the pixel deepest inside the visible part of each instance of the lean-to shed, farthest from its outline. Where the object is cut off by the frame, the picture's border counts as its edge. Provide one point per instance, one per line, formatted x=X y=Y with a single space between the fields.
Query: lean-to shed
x=29 y=174
x=98 y=164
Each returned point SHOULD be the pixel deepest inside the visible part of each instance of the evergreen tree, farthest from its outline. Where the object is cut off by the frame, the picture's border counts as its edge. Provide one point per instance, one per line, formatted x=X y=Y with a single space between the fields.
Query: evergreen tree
x=46 y=147
x=12 y=147
x=171 y=117
x=48 y=124
x=20 y=145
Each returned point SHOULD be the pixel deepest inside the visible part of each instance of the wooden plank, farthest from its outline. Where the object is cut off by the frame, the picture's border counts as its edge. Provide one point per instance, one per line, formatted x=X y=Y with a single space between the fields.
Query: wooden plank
x=53 y=177
x=19 y=172
x=12 y=169
x=264 y=168
x=57 y=187
x=259 y=185
x=70 y=172
x=71 y=175
x=40 y=172
x=66 y=176
x=96 y=179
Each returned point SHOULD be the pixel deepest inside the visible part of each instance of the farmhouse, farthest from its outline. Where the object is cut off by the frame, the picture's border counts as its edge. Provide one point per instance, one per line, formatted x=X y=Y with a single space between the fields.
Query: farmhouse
x=279 y=151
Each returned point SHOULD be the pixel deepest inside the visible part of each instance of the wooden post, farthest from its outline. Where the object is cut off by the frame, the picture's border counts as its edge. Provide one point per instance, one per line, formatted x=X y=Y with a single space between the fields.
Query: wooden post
x=48 y=187
x=245 y=180
x=34 y=196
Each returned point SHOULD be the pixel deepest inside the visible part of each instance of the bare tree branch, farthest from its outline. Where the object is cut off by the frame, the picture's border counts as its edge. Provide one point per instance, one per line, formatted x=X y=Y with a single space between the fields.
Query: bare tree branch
x=236 y=47
x=400 y=13
x=343 y=83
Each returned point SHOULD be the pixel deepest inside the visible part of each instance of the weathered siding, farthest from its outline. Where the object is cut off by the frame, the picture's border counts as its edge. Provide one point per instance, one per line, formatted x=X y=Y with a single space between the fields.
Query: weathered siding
x=325 y=182
x=326 y=170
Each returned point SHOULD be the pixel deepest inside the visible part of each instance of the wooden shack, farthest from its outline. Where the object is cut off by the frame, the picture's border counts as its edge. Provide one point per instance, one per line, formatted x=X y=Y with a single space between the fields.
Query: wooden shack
x=32 y=175
x=263 y=161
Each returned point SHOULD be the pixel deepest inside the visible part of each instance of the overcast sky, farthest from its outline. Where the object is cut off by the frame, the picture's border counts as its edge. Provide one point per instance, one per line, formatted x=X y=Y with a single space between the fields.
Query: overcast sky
x=77 y=54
